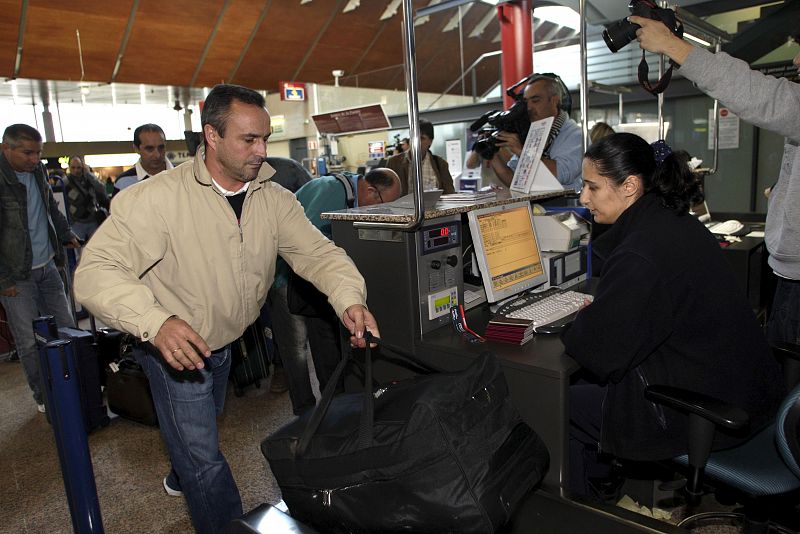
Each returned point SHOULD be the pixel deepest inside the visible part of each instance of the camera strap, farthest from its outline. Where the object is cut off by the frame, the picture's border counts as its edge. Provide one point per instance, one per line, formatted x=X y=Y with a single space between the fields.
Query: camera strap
x=644 y=80
x=670 y=21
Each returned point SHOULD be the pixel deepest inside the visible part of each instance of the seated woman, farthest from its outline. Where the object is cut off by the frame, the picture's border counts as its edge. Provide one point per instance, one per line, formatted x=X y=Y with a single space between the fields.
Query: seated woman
x=667 y=310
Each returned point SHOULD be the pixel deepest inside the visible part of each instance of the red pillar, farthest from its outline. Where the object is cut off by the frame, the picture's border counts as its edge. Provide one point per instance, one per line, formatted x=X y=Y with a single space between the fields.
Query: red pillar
x=516 y=42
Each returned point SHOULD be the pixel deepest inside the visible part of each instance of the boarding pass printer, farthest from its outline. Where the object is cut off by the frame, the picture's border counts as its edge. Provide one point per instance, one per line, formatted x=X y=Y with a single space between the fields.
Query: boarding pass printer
x=562 y=237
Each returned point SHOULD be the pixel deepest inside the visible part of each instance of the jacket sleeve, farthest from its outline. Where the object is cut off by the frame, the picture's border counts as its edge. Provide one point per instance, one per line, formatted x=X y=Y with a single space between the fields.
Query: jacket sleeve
x=317 y=259
x=768 y=102
x=445 y=178
x=107 y=281
x=628 y=320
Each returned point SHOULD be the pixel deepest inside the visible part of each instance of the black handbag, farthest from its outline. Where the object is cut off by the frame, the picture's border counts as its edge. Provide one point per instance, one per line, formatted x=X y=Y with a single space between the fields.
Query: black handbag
x=440 y=452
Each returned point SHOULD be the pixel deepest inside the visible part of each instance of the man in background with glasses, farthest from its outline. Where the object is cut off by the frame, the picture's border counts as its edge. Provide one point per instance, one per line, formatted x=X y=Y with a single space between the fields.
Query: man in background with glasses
x=305 y=315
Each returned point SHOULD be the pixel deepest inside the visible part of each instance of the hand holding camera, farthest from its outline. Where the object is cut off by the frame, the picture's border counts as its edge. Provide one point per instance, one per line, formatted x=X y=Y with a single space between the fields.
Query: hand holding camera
x=657 y=38
x=622 y=32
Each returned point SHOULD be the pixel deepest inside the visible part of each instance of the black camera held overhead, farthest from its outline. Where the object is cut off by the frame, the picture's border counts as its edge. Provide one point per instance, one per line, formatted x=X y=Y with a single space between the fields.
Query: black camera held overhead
x=514 y=119
x=622 y=32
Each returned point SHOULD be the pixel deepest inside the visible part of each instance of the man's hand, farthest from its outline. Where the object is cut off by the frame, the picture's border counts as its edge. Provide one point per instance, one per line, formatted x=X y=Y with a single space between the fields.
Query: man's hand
x=73 y=243
x=510 y=141
x=9 y=291
x=180 y=346
x=356 y=318
x=654 y=36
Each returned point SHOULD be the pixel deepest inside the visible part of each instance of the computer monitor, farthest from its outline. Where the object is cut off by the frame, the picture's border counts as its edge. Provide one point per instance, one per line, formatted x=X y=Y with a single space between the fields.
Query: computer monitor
x=506 y=249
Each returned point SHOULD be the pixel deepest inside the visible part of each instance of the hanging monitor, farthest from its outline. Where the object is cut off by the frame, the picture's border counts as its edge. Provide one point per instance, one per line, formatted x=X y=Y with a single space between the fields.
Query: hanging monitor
x=506 y=249
x=354 y=120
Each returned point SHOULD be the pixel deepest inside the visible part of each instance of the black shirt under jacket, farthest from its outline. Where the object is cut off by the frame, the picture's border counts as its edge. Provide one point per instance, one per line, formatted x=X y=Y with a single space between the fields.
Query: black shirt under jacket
x=668 y=310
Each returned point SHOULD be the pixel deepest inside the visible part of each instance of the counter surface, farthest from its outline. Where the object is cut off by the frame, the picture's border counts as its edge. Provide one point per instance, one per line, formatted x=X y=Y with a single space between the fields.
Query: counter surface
x=392 y=214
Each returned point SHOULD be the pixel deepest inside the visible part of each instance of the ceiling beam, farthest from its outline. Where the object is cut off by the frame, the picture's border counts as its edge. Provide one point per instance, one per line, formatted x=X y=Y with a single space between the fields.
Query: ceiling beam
x=335 y=11
x=23 y=17
x=765 y=34
x=209 y=42
x=250 y=39
x=124 y=43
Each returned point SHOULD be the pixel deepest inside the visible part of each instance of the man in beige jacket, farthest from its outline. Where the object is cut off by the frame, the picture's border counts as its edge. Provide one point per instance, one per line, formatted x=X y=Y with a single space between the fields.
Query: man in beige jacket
x=184 y=264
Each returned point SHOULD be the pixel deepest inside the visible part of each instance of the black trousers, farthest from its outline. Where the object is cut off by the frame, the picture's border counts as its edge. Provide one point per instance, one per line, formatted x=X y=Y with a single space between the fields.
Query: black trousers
x=586 y=417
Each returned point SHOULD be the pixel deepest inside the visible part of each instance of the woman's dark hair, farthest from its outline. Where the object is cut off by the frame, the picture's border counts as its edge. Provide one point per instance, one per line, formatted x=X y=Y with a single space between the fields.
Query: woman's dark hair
x=623 y=154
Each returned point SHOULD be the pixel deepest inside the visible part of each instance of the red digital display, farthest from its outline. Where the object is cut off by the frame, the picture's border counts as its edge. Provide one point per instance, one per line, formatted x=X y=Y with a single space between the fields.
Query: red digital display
x=445 y=231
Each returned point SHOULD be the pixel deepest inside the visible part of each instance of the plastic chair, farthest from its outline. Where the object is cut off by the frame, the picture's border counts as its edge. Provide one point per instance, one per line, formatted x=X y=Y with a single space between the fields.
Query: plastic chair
x=764 y=472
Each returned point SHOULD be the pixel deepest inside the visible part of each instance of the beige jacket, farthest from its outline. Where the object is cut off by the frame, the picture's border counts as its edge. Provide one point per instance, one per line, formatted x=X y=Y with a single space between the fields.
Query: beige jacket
x=172 y=246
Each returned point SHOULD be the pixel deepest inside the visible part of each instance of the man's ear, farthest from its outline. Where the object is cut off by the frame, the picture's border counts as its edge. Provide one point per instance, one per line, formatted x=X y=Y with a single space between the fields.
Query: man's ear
x=211 y=136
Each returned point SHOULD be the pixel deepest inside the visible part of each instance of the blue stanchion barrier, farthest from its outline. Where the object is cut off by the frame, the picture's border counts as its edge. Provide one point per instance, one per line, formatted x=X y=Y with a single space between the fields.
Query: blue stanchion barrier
x=64 y=406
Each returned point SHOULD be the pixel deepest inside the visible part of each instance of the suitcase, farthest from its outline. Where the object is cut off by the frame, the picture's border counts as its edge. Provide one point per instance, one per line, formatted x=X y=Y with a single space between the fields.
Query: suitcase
x=88 y=373
x=250 y=355
x=128 y=392
x=111 y=346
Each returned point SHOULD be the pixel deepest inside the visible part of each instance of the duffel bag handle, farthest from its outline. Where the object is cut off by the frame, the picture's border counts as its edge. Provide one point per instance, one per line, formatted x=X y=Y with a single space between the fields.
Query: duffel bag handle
x=366 y=423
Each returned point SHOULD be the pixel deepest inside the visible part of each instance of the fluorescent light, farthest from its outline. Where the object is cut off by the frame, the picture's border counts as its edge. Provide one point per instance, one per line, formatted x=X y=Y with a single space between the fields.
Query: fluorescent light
x=696 y=39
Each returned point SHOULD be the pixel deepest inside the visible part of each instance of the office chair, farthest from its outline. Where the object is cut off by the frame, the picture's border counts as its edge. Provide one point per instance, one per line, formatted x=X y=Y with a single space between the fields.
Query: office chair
x=764 y=471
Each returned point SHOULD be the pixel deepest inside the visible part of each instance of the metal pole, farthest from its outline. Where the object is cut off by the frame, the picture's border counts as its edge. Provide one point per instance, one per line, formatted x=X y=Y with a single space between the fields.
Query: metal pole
x=584 y=79
x=713 y=169
x=415 y=180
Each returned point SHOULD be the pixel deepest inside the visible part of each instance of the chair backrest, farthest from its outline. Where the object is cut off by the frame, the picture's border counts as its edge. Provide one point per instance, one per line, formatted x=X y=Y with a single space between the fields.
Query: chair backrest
x=787 y=431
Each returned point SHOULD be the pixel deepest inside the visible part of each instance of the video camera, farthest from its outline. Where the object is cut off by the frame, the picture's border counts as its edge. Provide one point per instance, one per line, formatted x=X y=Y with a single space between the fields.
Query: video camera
x=514 y=119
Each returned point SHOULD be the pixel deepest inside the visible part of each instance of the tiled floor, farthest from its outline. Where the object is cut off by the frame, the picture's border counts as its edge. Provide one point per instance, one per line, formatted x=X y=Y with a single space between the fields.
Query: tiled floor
x=129 y=463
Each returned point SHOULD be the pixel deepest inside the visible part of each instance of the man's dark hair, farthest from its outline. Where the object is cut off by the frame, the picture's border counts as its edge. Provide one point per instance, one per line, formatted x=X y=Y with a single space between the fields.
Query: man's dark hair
x=17 y=133
x=381 y=178
x=426 y=128
x=218 y=104
x=149 y=127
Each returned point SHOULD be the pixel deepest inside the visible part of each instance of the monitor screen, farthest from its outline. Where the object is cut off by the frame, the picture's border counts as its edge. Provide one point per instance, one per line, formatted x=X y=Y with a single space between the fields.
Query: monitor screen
x=506 y=249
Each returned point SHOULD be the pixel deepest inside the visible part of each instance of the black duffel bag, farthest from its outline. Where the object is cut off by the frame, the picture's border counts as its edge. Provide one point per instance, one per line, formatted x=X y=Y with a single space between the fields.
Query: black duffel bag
x=440 y=452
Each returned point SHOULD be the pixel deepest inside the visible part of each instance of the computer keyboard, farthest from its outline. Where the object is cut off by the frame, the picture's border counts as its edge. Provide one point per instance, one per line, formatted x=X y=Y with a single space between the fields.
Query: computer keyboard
x=726 y=228
x=545 y=307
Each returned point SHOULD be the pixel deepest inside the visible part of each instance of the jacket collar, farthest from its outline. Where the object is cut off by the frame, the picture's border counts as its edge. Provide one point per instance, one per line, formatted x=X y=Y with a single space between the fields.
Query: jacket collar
x=202 y=175
x=627 y=222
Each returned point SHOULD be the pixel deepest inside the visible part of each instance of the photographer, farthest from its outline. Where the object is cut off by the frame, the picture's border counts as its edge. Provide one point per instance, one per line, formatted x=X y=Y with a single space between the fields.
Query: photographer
x=564 y=146
x=769 y=103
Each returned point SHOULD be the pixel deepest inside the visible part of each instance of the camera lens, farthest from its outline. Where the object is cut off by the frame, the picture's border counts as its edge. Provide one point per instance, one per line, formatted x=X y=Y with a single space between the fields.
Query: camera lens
x=619 y=34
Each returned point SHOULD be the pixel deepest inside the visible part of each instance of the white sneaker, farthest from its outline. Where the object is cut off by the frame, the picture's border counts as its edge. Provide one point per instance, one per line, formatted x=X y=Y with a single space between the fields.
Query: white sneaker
x=171 y=492
x=40 y=407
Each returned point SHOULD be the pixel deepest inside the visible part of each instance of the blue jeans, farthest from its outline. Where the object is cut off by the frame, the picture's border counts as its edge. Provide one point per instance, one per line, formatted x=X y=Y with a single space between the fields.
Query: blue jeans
x=187 y=404
x=784 y=318
x=41 y=294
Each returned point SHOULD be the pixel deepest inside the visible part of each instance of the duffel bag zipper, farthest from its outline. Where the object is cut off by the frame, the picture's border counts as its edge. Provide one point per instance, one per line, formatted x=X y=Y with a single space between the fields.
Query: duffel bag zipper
x=328 y=493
